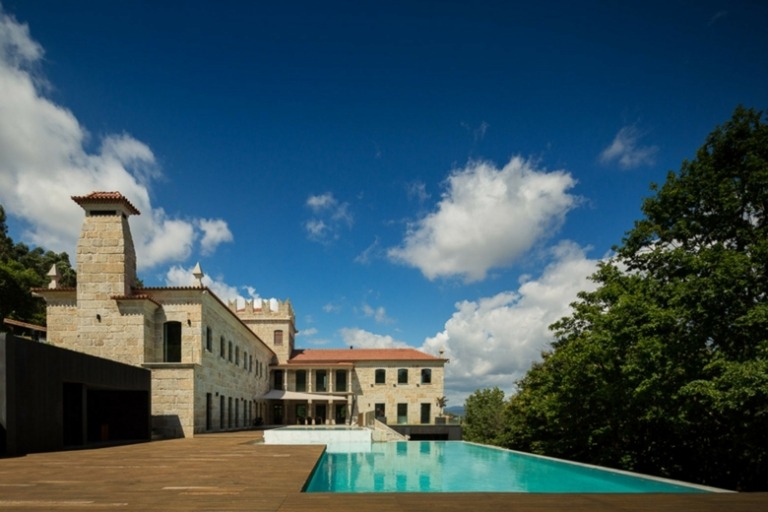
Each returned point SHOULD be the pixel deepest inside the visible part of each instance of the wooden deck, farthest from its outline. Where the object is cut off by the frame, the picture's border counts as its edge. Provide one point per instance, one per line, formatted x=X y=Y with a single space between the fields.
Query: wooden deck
x=236 y=472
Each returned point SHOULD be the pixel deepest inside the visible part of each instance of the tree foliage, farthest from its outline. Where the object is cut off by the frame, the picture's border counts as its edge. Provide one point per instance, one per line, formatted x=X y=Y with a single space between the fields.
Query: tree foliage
x=664 y=368
x=22 y=268
x=485 y=417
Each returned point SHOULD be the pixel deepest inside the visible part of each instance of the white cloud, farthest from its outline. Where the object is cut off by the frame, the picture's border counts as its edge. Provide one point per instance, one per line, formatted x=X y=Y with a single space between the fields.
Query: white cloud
x=321 y=202
x=487 y=218
x=379 y=314
x=371 y=251
x=478 y=133
x=332 y=307
x=493 y=341
x=625 y=150
x=182 y=276
x=417 y=190
x=360 y=338
x=44 y=161
x=215 y=232
x=16 y=45
x=330 y=216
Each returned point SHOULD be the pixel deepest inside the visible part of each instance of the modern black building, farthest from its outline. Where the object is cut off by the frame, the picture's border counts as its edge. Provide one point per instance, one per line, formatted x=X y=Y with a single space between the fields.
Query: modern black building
x=53 y=399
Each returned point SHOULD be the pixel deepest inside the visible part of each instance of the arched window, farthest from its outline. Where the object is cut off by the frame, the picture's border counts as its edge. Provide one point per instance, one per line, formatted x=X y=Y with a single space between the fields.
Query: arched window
x=426 y=376
x=381 y=376
x=172 y=342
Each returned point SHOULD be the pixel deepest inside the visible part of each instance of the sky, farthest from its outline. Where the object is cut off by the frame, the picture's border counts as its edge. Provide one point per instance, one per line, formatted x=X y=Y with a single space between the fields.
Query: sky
x=437 y=174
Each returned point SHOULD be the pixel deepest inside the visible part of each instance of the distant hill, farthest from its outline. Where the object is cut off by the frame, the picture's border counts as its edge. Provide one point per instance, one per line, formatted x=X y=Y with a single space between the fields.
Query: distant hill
x=456 y=410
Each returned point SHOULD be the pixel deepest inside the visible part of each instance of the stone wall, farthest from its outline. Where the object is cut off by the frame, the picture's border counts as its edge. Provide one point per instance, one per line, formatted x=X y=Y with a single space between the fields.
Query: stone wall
x=266 y=317
x=173 y=386
x=391 y=393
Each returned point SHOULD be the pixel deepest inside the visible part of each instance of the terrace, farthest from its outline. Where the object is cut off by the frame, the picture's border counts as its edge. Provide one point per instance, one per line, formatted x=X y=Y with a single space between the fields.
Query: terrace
x=235 y=471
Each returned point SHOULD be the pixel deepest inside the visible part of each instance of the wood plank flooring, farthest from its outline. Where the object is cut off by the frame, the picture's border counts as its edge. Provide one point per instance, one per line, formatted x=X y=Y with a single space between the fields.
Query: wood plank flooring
x=235 y=471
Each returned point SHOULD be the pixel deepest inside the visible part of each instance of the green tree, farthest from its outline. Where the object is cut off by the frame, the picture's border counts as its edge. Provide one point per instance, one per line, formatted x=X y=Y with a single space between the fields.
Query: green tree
x=664 y=368
x=485 y=417
x=22 y=268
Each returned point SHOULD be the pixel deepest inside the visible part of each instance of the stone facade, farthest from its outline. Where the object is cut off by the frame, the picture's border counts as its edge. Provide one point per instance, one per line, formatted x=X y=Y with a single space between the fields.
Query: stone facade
x=418 y=396
x=174 y=332
x=215 y=367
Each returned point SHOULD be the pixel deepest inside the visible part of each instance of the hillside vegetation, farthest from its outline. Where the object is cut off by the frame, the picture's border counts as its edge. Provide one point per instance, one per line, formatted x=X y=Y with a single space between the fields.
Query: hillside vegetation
x=664 y=368
x=22 y=268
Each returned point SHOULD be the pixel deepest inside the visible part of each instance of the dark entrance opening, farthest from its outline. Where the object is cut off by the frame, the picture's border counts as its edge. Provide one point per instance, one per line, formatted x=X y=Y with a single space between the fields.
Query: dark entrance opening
x=111 y=415
x=74 y=414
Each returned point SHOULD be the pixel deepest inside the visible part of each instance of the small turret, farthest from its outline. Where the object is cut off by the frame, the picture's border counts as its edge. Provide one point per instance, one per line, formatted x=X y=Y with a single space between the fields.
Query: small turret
x=55 y=277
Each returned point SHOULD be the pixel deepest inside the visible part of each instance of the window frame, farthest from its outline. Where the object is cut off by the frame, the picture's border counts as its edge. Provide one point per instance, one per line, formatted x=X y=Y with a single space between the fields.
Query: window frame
x=172 y=347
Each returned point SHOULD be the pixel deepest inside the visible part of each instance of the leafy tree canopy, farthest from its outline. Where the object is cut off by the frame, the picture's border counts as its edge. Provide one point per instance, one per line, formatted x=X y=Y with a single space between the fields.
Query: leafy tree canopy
x=664 y=368
x=22 y=268
x=485 y=417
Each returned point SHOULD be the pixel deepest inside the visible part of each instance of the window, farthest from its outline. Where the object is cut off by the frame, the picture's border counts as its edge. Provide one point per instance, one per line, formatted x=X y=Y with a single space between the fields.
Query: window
x=278 y=338
x=426 y=412
x=381 y=376
x=172 y=342
x=426 y=376
x=245 y=360
x=402 y=413
x=321 y=380
x=301 y=380
x=208 y=411
x=402 y=376
x=222 y=347
x=277 y=379
x=301 y=413
x=208 y=339
x=230 y=351
x=381 y=412
x=340 y=381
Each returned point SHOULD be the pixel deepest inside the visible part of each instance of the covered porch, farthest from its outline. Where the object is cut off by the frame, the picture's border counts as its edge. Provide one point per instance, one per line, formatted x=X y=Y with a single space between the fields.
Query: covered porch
x=299 y=408
x=310 y=394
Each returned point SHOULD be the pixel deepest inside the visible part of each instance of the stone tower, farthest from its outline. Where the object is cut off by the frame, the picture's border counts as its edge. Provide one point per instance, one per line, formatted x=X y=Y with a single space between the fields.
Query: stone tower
x=106 y=269
x=274 y=322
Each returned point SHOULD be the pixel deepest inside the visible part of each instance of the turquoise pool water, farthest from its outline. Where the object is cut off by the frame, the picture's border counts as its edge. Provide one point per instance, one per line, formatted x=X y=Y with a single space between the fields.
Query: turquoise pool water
x=454 y=466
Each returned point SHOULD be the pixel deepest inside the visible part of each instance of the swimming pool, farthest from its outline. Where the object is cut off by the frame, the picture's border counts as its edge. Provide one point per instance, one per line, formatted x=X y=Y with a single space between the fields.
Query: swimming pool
x=455 y=466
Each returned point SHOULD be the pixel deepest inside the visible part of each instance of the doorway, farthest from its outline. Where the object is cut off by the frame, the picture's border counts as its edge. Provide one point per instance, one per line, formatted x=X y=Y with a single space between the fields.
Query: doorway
x=277 y=413
x=340 y=416
x=321 y=413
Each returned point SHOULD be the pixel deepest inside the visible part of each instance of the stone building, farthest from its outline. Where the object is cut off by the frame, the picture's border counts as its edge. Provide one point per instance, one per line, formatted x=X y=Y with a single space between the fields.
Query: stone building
x=208 y=367
x=214 y=366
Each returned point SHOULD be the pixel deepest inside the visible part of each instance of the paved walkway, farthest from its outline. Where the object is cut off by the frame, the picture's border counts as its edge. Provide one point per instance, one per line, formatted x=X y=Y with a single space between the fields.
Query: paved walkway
x=235 y=471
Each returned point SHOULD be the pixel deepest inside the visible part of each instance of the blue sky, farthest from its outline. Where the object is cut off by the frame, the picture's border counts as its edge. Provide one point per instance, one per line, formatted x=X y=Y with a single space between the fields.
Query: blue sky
x=441 y=175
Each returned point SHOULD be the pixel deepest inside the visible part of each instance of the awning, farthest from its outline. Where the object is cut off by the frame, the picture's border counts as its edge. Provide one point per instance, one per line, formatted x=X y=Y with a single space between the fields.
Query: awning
x=279 y=394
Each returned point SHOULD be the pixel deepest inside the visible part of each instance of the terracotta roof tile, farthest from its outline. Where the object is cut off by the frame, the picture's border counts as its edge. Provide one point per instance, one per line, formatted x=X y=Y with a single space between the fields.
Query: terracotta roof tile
x=360 y=354
x=106 y=197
